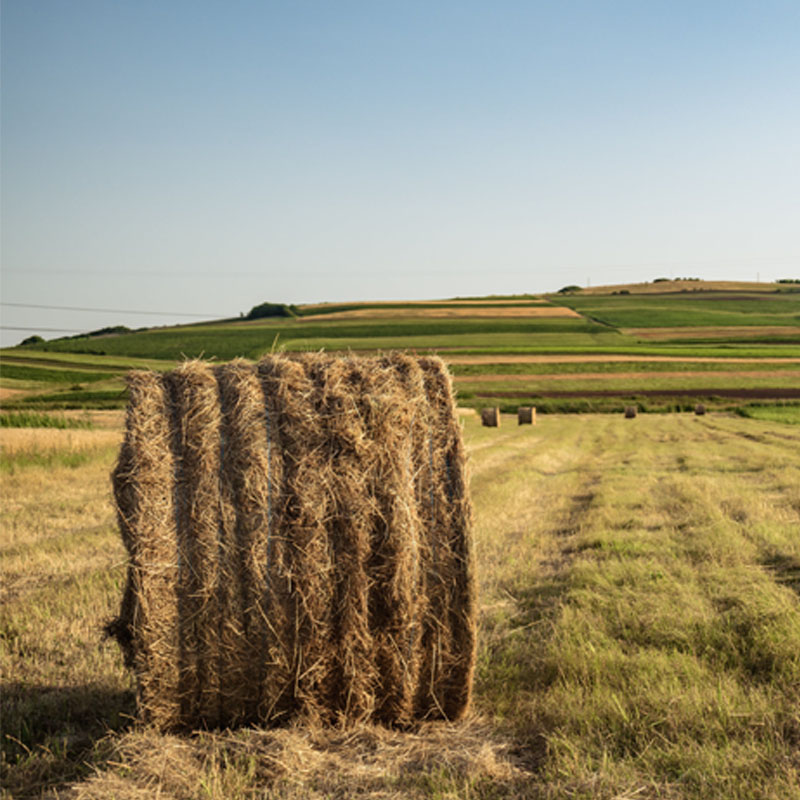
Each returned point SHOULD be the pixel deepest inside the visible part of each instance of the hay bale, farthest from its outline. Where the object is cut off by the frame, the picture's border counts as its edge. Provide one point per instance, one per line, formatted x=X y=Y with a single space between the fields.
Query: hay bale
x=700 y=409
x=490 y=417
x=299 y=541
x=630 y=412
x=526 y=415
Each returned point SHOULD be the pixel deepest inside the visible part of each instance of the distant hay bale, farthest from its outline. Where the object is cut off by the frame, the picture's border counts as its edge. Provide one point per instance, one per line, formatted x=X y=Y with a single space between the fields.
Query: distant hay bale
x=299 y=535
x=700 y=409
x=490 y=417
x=630 y=412
x=526 y=415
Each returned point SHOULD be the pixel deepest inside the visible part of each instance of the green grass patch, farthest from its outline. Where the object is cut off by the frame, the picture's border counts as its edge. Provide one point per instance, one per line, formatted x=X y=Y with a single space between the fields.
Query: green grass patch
x=788 y=414
x=38 y=419
x=73 y=399
x=26 y=372
x=630 y=385
x=80 y=361
x=10 y=463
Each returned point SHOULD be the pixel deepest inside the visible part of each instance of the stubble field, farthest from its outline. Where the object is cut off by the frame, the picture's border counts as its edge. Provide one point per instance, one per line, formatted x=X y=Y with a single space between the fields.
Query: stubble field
x=639 y=629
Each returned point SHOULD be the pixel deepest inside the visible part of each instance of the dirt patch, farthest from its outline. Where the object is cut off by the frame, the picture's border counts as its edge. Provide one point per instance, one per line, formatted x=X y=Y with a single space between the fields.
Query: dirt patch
x=601 y=358
x=625 y=375
x=743 y=394
x=12 y=394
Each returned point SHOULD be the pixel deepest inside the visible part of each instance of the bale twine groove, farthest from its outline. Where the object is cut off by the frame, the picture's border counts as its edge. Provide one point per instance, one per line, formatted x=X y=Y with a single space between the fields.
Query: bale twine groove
x=299 y=540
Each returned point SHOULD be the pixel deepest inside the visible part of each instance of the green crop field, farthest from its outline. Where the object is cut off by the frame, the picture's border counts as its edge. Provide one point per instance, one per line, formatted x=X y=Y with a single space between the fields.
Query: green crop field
x=693 y=309
x=639 y=632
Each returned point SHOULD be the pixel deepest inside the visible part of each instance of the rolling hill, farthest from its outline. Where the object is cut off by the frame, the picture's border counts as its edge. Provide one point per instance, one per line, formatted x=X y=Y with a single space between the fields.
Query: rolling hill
x=663 y=345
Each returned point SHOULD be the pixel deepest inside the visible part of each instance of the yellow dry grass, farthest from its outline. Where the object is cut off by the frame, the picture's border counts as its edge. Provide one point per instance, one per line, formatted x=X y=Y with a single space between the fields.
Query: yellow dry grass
x=681 y=286
x=643 y=376
x=9 y=393
x=423 y=303
x=476 y=311
x=454 y=358
x=18 y=440
x=309 y=763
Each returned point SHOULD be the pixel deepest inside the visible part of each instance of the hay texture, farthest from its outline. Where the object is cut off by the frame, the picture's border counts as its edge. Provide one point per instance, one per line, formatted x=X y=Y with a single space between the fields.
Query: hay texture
x=299 y=541
x=630 y=412
x=526 y=415
x=490 y=417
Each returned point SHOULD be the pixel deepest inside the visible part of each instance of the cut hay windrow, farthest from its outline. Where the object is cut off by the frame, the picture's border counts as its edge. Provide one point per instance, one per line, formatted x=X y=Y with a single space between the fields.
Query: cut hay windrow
x=299 y=535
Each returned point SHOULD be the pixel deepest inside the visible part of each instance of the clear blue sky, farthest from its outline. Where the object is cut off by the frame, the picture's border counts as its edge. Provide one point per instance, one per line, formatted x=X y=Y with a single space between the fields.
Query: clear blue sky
x=202 y=157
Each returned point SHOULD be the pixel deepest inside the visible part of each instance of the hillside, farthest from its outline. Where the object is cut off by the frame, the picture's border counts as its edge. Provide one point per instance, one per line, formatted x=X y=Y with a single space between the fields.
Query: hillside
x=588 y=350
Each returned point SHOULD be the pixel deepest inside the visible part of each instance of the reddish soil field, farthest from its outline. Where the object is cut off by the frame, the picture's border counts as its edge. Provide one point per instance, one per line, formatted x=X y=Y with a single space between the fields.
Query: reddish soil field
x=744 y=394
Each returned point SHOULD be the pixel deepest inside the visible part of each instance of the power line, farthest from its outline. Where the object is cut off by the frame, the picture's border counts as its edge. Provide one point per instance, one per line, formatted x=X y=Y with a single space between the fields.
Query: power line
x=48 y=330
x=114 y=310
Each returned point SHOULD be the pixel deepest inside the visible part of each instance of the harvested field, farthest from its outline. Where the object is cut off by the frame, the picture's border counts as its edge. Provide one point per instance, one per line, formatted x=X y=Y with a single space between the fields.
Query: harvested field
x=678 y=286
x=589 y=358
x=424 y=303
x=743 y=394
x=642 y=376
x=477 y=311
x=639 y=633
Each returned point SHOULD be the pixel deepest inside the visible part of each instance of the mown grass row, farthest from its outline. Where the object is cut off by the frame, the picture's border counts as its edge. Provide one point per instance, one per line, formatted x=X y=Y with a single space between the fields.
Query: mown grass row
x=643 y=630
x=785 y=413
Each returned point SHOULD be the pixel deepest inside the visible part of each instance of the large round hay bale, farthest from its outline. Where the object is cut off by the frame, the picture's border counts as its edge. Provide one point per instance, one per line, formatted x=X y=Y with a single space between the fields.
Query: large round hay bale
x=526 y=415
x=700 y=409
x=490 y=417
x=630 y=412
x=299 y=535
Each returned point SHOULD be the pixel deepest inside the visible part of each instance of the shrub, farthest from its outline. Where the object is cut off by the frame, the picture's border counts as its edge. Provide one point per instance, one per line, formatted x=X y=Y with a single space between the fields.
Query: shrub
x=271 y=310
